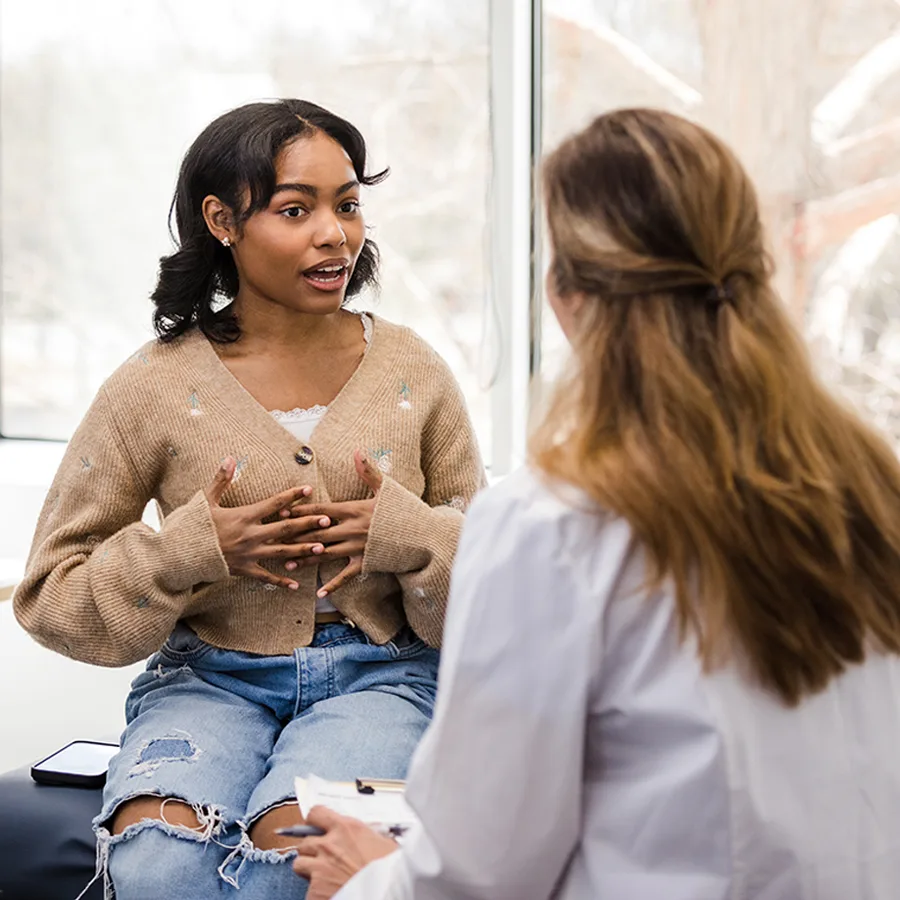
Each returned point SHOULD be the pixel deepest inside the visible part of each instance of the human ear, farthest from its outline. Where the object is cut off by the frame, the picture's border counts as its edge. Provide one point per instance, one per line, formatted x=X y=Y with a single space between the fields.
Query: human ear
x=575 y=302
x=568 y=309
x=219 y=220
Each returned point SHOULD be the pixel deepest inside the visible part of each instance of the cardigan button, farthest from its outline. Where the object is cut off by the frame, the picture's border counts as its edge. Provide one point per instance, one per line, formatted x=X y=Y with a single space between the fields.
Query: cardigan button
x=304 y=456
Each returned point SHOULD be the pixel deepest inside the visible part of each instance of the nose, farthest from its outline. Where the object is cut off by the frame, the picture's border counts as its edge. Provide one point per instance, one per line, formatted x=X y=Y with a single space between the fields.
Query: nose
x=329 y=231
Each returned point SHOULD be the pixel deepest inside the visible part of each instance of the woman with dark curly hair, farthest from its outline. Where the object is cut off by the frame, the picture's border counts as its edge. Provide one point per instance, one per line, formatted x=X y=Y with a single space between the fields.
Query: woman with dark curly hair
x=292 y=603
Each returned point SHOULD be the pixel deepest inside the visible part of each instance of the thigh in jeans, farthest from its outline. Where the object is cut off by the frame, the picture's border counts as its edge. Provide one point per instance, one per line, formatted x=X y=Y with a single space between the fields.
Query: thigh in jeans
x=369 y=729
x=194 y=742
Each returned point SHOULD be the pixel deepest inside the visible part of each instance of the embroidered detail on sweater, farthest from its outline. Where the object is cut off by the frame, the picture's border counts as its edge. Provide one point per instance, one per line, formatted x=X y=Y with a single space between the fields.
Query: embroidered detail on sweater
x=194 y=404
x=455 y=503
x=405 y=396
x=382 y=459
x=140 y=356
x=239 y=467
x=172 y=452
x=142 y=602
x=86 y=464
x=427 y=602
x=126 y=437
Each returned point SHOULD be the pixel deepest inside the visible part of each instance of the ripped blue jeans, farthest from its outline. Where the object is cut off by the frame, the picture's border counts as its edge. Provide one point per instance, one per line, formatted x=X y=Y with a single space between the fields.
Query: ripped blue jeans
x=227 y=732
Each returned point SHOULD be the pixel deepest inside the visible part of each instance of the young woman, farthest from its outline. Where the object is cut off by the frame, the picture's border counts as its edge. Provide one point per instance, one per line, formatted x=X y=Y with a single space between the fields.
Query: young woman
x=292 y=602
x=698 y=584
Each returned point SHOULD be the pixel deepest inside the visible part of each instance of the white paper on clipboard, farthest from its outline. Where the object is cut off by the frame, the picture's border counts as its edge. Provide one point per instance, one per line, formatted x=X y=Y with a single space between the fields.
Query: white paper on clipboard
x=382 y=808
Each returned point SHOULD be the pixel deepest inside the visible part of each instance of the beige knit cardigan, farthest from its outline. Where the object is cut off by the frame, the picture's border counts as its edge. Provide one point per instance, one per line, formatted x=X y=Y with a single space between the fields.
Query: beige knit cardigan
x=103 y=587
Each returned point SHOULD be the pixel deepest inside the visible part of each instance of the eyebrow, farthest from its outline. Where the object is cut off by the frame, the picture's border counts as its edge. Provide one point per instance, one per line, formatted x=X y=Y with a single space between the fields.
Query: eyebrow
x=313 y=191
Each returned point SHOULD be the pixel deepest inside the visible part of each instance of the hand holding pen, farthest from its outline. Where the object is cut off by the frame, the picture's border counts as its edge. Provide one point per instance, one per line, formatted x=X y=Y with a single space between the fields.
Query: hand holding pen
x=342 y=846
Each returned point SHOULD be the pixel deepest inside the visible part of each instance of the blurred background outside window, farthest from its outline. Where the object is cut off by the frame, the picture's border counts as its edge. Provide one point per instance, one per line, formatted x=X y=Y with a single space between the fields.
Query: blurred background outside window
x=100 y=100
x=808 y=94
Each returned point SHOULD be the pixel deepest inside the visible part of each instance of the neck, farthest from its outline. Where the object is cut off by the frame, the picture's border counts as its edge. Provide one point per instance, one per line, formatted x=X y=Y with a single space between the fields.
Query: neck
x=273 y=328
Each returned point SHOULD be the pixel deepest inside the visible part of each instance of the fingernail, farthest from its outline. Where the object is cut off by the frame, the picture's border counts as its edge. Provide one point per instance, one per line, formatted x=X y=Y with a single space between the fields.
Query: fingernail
x=285 y=513
x=324 y=522
x=290 y=566
x=318 y=549
x=293 y=585
x=306 y=491
x=322 y=594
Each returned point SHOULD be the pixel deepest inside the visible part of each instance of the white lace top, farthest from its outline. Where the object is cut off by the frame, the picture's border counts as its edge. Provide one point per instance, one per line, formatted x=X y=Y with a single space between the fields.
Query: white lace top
x=302 y=422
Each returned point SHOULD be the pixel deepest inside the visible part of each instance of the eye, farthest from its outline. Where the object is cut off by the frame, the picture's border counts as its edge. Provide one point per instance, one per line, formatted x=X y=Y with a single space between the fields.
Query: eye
x=349 y=206
x=293 y=212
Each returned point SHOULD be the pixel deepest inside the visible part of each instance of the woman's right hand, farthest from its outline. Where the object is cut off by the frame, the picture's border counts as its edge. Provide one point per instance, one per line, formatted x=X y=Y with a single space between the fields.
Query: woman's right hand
x=245 y=540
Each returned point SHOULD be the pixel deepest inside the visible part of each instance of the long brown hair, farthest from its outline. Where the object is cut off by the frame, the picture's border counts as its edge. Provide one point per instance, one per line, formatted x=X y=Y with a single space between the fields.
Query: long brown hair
x=692 y=410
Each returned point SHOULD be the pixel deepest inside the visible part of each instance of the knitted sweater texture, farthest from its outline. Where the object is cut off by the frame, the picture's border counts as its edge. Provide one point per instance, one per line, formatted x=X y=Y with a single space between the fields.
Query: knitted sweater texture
x=103 y=587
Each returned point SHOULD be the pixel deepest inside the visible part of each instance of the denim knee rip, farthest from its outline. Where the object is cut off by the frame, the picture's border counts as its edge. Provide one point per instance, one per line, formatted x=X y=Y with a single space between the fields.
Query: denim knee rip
x=246 y=851
x=210 y=816
x=212 y=823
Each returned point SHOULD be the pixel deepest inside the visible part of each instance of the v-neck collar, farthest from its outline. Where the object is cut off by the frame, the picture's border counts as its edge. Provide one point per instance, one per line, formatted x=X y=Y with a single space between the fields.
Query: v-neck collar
x=341 y=412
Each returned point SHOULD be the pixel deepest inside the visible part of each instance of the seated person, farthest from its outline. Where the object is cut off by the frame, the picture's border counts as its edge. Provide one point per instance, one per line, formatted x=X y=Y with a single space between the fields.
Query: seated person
x=311 y=464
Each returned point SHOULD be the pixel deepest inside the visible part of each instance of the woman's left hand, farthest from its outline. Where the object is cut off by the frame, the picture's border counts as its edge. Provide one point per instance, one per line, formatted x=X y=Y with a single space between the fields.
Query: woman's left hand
x=346 y=536
x=330 y=861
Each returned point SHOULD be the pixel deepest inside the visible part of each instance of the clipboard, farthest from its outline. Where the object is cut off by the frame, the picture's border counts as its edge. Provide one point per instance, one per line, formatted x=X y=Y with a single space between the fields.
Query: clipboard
x=375 y=801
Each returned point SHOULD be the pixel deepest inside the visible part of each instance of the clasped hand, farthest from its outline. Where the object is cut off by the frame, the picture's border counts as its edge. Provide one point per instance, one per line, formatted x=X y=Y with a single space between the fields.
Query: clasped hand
x=306 y=534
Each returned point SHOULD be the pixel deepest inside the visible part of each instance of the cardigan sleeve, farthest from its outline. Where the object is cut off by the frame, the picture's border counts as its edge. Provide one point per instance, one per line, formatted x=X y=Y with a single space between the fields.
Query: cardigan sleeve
x=415 y=538
x=100 y=586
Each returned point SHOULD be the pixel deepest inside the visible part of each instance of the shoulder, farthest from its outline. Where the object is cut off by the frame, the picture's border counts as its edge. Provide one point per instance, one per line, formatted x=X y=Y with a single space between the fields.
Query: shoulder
x=557 y=521
x=531 y=502
x=411 y=348
x=154 y=360
x=423 y=377
x=136 y=367
x=155 y=365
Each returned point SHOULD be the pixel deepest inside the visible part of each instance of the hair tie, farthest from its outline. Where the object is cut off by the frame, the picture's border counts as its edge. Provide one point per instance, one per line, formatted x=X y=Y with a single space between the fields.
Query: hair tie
x=720 y=293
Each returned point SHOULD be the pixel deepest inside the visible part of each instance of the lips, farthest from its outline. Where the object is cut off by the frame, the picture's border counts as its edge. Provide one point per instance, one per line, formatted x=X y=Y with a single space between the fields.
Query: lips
x=329 y=275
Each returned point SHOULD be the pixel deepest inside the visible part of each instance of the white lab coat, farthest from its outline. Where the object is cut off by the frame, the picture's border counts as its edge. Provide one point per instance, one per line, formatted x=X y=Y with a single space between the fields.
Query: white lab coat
x=578 y=751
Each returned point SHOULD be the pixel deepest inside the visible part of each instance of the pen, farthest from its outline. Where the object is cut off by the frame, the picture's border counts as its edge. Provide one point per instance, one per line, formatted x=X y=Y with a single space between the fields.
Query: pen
x=392 y=831
x=300 y=831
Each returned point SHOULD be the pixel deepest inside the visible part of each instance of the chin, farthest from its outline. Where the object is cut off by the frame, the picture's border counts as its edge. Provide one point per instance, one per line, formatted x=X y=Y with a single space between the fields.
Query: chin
x=322 y=305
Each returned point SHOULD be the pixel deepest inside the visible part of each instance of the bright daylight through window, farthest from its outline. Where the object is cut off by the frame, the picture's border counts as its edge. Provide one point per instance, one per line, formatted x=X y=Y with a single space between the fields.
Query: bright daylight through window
x=808 y=93
x=93 y=130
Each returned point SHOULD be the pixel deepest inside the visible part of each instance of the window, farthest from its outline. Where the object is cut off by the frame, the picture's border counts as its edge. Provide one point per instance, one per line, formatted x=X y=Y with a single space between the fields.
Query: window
x=808 y=94
x=100 y=99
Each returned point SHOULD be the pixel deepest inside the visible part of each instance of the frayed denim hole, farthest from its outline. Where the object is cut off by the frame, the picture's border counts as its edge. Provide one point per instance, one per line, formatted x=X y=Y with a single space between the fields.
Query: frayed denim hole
x=176 y=747
x=212 y=823
x=247 y=852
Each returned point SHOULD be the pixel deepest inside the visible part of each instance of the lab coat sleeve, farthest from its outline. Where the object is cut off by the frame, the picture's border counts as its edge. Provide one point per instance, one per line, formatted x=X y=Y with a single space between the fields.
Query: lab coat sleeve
x=497 y=779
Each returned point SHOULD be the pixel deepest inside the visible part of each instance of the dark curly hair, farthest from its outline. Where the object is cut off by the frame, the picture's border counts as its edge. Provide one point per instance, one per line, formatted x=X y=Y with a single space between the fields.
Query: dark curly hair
x=235 y=154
